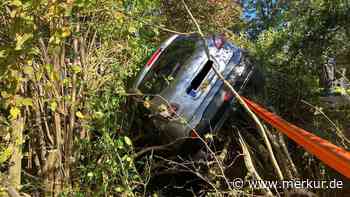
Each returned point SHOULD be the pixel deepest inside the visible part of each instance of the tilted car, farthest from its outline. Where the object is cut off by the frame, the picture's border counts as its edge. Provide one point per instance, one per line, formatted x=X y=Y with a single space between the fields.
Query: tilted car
x=185 y=93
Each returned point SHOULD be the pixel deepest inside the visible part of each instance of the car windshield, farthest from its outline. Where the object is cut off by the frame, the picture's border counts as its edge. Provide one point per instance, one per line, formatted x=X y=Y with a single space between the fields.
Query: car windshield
x=167 y=66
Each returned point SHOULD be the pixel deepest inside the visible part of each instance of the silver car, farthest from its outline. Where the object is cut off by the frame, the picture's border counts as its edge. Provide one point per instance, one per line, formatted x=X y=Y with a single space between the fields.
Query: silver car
x=186 y=97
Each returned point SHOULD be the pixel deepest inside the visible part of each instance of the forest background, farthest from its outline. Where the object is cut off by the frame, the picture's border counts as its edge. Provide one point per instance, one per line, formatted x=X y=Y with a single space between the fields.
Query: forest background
x=66 y=120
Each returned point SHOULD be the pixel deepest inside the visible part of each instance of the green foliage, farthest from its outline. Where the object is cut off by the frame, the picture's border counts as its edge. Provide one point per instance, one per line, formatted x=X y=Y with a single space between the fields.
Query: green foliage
x=38 y=58
x=292 y=51
x=212 y=16
x=112 y=170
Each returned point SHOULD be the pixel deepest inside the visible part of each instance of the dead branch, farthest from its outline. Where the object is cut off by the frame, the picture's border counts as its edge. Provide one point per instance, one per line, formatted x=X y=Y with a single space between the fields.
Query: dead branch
x=338 y=131
x=159 y=147
x=249 y=162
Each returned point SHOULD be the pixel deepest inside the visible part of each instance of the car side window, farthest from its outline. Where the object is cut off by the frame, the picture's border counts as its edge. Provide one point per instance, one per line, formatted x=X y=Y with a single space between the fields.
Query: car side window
x=168 y=65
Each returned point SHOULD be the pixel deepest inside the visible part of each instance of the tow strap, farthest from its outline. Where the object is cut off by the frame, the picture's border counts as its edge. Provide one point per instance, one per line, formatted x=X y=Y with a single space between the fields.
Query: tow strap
x=332 y=155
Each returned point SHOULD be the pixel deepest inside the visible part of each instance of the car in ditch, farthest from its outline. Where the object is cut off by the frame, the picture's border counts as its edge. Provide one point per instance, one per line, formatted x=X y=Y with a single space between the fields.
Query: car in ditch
x=186 y=97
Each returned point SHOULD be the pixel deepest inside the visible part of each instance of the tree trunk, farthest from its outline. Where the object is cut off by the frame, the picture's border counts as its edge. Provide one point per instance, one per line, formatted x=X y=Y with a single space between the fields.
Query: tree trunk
x=51 y=180
x=328 y=75
x=16 y=157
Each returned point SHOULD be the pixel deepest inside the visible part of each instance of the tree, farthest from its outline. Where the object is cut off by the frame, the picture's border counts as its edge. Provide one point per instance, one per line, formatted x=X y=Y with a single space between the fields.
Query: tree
x=293 y=52
x=213 y=16
x=61 y=62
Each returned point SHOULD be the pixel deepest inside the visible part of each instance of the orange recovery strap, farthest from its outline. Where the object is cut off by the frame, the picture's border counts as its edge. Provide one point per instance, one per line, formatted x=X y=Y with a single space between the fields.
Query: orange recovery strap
x=332 y=155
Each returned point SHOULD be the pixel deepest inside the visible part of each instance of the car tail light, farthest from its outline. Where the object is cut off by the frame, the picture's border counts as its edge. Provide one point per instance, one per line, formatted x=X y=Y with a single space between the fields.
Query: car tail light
x=194 y=135
x=219 y=41
x=227 y=96
x=154 y=57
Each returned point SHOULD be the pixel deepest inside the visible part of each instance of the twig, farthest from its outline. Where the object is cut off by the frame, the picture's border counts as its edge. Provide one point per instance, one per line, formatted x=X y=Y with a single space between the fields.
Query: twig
x=12 y=192
x=249 y=162
x=286 y=167
x=338 y=131
x=255 y=118
x=192 y=171
x=160 y=147
x=287 y=154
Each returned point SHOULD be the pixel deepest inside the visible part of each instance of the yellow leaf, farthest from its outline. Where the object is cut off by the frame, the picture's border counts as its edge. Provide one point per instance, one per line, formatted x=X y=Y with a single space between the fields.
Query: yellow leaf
x=3 y=54
x=90 y=174
x=146 y=104
x=79 y=115
x=16 y=3
x=65 y=32
x=127 y=140
x=132 y=29
x=119 y=16
x=14 y=112
x=13 y=13
x=98 y=115
x=162 y=107
x=53 y=106
x=119 y=189
x=21 y=39
x=209 y=136
x=76 y=69
x=27 y=102
x=30 y=62
x=5 y=155
x=28 y=70
x=4 y=94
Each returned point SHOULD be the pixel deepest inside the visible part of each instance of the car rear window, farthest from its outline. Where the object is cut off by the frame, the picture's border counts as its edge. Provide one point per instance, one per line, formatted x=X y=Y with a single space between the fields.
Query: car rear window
x=169 y=63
